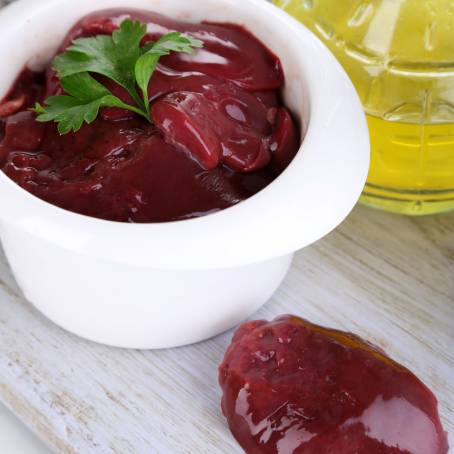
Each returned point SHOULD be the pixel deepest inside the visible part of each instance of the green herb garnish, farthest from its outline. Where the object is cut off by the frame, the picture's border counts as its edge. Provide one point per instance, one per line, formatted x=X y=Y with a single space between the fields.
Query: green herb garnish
x=119 y=57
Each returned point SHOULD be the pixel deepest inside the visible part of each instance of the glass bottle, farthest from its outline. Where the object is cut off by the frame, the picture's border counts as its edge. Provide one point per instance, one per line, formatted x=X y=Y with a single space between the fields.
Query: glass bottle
x=400 y=56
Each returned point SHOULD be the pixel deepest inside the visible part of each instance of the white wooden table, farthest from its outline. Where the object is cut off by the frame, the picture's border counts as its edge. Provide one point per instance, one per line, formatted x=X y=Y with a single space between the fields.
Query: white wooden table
x=15 y=438
x=388 y=278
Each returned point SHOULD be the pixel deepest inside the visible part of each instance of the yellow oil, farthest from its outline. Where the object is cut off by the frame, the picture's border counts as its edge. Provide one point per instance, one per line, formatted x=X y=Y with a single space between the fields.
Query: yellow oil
x=412 y=167
x=400 y=56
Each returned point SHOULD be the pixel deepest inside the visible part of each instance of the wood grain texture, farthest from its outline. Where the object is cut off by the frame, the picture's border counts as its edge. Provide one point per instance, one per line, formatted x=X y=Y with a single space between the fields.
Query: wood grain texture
x=384 y=277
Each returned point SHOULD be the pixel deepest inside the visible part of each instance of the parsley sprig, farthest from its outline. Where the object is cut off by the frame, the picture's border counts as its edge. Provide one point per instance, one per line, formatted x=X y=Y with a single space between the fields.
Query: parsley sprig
x=119 y=57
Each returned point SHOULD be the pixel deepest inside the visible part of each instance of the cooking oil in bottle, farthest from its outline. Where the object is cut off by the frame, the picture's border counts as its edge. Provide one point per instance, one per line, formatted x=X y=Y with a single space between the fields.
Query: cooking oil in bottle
x=400 y=56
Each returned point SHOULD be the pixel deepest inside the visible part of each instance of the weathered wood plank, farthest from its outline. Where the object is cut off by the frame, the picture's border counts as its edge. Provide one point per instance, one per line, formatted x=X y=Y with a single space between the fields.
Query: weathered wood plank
x=387 y=278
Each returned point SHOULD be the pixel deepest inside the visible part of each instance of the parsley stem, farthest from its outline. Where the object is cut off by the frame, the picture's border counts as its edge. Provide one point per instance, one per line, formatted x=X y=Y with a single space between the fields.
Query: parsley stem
x=136 y=110
x=141 y=103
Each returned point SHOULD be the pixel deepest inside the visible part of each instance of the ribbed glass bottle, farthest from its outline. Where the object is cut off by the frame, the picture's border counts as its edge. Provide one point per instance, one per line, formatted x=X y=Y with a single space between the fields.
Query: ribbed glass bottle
x=400 y=56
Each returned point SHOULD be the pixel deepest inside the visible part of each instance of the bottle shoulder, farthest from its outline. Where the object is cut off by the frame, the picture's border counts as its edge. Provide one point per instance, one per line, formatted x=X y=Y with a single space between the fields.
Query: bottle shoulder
x=402 y=33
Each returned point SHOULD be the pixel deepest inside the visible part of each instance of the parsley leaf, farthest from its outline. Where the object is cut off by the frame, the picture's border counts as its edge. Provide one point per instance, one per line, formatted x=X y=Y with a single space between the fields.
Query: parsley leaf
x=146 y=64
x=111 y=56
x=86 y=97
x=120 y=58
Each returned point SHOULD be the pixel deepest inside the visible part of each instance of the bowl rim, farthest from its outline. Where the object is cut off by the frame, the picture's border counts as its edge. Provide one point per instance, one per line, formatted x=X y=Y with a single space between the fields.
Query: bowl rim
x=280 y=219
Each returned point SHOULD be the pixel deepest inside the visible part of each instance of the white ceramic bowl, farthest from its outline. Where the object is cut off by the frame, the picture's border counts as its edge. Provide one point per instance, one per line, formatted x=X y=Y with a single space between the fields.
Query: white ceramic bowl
x=164 y=285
